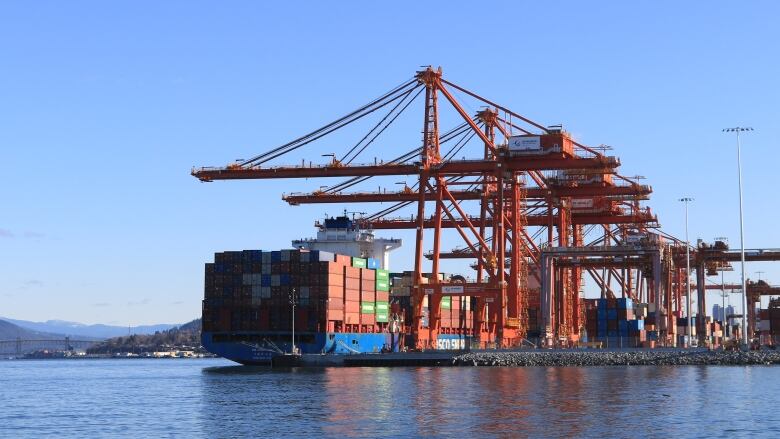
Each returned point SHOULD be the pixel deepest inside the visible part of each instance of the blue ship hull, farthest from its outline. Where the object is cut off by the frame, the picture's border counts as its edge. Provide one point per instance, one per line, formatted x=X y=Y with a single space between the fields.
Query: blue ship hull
x=253 y=348
x=259 y=348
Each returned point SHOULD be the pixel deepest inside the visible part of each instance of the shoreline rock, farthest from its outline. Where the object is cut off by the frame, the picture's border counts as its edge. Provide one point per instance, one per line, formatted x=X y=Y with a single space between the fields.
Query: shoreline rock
x=617 y=358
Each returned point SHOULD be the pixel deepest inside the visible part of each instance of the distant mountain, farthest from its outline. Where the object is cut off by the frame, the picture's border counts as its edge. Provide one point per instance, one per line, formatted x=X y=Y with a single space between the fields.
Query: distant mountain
x=92 y=331
x=9 y=331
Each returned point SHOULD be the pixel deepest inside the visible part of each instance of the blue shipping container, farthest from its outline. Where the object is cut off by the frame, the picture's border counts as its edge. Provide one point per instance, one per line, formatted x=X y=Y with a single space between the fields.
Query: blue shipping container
x=284 y=279
x=373 y=263
x=602 y=314
x=276 y=256
x=602 y=304
x=625 y=303
x=611 y=314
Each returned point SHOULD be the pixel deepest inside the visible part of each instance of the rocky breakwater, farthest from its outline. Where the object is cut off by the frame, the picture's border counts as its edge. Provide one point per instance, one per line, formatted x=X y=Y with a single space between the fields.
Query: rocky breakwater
x=617 y=358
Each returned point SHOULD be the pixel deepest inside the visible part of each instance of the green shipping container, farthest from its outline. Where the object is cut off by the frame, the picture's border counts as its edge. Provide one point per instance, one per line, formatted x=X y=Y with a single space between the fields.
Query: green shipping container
x=446 y=302
x=367 y=307
x=359 y=263
x=382 y=285
x=382 y=307
x=382 y=318
x=383 y=275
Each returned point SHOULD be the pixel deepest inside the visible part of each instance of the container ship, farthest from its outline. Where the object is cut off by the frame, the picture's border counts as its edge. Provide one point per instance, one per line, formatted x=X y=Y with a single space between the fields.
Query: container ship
x=331 y=295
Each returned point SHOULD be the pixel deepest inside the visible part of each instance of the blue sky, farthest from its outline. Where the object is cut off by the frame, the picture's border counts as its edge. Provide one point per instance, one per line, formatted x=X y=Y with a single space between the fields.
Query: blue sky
x=104 y=108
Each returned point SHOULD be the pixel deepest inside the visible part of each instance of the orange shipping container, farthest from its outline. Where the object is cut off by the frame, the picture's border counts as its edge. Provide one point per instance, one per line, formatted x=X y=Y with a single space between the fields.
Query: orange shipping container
x=368 y=296
x=335 y=291
x=351 y=295
x=352 y=306
x=351 y=284
x=335 y=305
x=367 y=274
x=331 y=268
x=343 y=260
x=336 y=315
x=352 y=272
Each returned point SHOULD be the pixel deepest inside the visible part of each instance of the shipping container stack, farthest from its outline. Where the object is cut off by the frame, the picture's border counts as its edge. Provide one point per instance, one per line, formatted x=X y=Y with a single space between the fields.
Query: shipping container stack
x=614 y=323
x=774 y=321
x=456 y=311
x=655 y=322
x=683 y=330
x=251 y=290
x=768 y=326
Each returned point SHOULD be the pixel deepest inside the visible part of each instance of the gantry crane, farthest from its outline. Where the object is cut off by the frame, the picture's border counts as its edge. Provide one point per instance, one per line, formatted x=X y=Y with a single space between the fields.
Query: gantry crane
x=527 y=175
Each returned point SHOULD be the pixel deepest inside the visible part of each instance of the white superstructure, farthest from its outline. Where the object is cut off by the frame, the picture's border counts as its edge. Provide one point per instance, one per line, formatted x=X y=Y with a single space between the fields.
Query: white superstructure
x=343 y=236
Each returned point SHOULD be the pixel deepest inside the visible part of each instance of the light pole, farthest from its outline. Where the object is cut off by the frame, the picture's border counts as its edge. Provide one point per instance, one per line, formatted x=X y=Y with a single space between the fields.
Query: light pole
x=292 y=302
x=687 y=200
x=723 y=294
x=741 y=231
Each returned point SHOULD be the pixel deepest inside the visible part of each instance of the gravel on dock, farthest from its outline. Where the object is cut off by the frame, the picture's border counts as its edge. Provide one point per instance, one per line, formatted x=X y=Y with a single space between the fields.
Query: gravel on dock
x=617 y=358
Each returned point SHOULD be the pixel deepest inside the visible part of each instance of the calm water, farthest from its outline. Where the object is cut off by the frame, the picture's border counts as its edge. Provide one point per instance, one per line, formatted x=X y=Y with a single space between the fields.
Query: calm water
x=213 y=398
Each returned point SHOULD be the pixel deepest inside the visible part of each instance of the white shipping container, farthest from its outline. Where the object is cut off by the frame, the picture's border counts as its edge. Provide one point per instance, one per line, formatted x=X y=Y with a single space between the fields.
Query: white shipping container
x=525 y=143
x=452 y=289
x=256 y=279
x=325 y=256
x=305 y=257
x=265 y=292
x=276 y=280
x=582 y=203
x=304 y=294
x=247 y=279
x=266 y=256
x=286 y=255
x=266 y=268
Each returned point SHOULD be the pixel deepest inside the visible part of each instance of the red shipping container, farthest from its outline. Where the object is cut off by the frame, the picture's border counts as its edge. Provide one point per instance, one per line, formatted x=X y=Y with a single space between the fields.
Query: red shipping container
x=368 y=296
x=353 y=295
x=352 y=306
x=333 y=305
x=351 y=284
x=334 y=291
x=382 y=296
x=336 y=315
x=367 y=319
x=343 y=260
x=367 y=274
x=352 y=318
x=368 y=285
x=330 y=268
x=332 y=279
x=352 y=272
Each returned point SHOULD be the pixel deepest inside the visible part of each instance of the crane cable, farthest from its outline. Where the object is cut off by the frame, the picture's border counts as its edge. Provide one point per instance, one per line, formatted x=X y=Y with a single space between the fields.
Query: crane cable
x=444 y=138
x=347 y=162
x=372 y=106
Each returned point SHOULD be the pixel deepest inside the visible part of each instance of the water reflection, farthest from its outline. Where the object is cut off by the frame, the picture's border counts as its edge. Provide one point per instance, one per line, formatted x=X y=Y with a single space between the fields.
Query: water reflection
x=484 y=402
